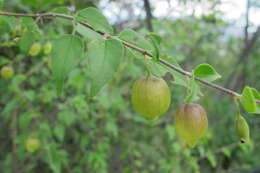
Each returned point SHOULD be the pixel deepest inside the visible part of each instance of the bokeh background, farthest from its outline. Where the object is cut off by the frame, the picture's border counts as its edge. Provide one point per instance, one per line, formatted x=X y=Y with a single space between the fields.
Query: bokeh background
x=104 y=134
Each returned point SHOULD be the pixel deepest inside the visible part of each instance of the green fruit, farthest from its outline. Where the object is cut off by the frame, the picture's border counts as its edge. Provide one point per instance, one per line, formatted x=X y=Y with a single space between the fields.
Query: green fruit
x=242 y=129
x=32 y=144
x=191 y=123
x=150 y=97
x=35 y=49
x=7 y=72
x=47 y=48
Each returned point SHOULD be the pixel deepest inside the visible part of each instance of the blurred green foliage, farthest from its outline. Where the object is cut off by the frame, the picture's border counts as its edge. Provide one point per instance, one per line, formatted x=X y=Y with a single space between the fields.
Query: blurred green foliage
x=104 y=134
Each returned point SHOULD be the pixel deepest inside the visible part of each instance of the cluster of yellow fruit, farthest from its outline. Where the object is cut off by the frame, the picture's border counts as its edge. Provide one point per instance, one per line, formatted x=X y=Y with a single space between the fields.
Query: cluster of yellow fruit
x=36 y=48
x=151 y=98
x=7 y=72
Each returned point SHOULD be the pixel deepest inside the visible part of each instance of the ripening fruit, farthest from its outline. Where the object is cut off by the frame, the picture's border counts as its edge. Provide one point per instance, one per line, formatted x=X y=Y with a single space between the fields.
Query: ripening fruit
x=191 y=123
x=32 y=144
x=150 y=97
x=47 y=48
x=242 y=129
x=35 y=49
x=7 y=72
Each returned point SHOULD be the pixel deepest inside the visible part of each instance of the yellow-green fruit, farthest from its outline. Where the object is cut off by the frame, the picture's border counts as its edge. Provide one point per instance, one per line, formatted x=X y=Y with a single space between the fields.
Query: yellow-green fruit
x=242 y=129
x=47 y=48
x=191 y=123
x=32 y=144
x=35 y=49
x=7 y=72
x=150 y=97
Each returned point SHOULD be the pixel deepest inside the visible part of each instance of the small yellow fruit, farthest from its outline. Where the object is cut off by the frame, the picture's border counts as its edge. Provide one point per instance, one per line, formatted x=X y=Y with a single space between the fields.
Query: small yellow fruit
x=7 y=72
x=242 y=129
x=191 y=123
x=35 y=49
x=47 y=48
x=150 y=97
x=32 y=144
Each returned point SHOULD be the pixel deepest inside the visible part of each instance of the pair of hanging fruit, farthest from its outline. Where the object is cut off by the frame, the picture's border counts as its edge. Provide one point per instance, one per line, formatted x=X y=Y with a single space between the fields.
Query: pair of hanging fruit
x=151 y=98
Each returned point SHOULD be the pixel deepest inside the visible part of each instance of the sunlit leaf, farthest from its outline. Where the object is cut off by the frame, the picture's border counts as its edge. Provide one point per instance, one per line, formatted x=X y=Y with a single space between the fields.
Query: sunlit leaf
x=206 y=72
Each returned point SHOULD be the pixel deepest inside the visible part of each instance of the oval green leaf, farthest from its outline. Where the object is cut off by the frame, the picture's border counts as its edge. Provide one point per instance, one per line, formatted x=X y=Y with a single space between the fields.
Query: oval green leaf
x=104 y=57
x=206 y=72
x=248 y=100
x=136 y=39
x=95 y=18
x=66 y=53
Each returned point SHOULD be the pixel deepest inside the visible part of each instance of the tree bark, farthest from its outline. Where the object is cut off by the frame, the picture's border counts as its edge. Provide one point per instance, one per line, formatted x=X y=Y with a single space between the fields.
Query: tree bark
x=249 y=45
x=247 y=20
x=149 y=15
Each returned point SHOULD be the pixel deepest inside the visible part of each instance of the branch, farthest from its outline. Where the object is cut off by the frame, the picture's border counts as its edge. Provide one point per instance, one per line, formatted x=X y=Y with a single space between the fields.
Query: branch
x=250 y=44
x=129 y=45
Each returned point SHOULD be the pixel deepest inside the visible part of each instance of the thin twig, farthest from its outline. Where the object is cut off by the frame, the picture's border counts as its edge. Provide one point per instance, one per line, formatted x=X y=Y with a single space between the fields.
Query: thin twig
x=144 y=52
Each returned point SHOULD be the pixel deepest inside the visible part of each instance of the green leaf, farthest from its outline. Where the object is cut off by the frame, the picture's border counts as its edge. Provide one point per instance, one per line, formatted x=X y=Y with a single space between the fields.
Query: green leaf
x=136 y=39
x=248 y=100
x=59 y=132
x=156 y=40
x=4 y=61
x=179 y=79
x=156 y=68
x=104 y=57
x=255 y=93
x=111 y=128
x=212 y=160
x=95 y=18
x=1 y=4
x=66 y=117
x=206 y=72
x=26 y=41
x=226 y=152
x=156 y=37
x=66 y=53
x=87 y=33
x=63 y=10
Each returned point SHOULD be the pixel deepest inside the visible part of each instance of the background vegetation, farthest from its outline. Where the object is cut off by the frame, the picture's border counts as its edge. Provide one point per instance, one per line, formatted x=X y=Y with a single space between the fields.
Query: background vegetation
x=104 y=134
